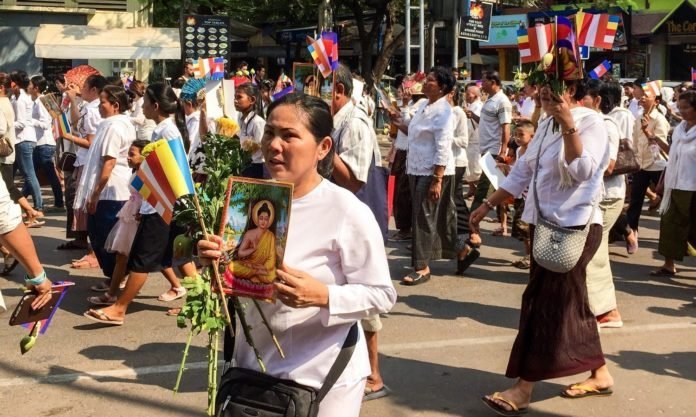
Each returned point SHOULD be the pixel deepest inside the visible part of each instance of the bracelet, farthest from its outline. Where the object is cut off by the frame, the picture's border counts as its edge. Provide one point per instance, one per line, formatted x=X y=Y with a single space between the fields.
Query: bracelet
x=36 y=280
x=488 y=204
x=570 y=131
x=438 y=176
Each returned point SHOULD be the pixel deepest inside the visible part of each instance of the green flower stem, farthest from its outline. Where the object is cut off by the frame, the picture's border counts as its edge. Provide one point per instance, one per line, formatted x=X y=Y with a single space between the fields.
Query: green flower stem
x=247 y=333
x=268 y=326
x=183 y=361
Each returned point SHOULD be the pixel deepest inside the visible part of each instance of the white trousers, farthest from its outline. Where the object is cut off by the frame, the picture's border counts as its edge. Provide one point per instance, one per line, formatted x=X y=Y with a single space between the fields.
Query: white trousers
x=344 y=401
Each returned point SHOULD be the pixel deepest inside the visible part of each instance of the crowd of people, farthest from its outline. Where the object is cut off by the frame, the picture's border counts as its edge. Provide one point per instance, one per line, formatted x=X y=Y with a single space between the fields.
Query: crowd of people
x=562 y=155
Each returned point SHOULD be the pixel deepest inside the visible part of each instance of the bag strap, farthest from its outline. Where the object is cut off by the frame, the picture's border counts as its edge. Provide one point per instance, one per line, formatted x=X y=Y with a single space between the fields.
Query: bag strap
x=341 y=362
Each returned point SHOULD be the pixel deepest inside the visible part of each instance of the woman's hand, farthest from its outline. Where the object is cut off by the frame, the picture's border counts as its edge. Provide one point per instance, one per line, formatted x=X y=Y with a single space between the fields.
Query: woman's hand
x=43 y=294
x=209 y=250
x=435 y=190
x=298 y=289
x=92 y=203
x=475 y=218
x=505 y=168
x=558 y=108
x=644 y=126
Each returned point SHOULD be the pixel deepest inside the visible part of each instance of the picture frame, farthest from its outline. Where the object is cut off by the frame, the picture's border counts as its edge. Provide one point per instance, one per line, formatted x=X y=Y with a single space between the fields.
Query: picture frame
x=302 y=73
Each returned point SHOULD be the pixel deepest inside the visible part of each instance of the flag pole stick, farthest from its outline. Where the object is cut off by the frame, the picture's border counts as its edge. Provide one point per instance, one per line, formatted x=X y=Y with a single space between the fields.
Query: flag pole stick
x=333 y=92
x=214 y=267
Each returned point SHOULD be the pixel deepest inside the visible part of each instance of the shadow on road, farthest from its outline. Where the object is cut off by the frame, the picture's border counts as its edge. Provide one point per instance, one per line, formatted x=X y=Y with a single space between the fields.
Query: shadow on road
x=675 y=364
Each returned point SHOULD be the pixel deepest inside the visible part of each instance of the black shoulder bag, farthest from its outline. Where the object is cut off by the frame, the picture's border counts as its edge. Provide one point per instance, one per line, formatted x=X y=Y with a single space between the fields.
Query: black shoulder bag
x=245 y=392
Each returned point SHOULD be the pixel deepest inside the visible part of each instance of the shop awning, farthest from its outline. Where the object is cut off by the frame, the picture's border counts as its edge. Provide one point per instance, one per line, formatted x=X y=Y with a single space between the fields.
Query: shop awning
x=88 y=42
x=692 y=3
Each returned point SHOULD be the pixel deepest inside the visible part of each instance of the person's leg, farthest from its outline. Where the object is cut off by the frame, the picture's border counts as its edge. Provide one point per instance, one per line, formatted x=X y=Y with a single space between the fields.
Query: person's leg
x=482 y=189
x=19 y=243
x=343 y=401
x=25 y=161
x=44 y=156
x=640 y=182
x=99 y=226
x=135 y=283
x=460 y=201
x=371 y=326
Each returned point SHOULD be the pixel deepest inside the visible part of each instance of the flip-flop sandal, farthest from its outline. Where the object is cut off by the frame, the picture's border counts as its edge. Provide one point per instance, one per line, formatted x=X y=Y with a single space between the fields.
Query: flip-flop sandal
x=498 y=409
x=416 y=279
x=500 y=232
x=179 y=292
x=663 y=272
x=99 y=316
x=522 y=263
x=371 y=394
x=464 y=264
x=588 y=391
x=35 y=224
x=102 y=300
x=101 y=287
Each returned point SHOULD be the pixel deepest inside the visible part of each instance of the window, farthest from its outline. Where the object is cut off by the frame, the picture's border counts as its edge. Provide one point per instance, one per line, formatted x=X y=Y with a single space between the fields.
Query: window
x=120 y=66
x=115 y=5
x=43 y=3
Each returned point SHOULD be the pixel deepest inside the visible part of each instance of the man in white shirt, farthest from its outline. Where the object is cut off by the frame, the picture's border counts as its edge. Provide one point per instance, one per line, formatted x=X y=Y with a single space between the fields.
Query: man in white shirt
x=494 y=132
x=528 y=105
x=633 y=106
x=473 y=152
x=357 y=157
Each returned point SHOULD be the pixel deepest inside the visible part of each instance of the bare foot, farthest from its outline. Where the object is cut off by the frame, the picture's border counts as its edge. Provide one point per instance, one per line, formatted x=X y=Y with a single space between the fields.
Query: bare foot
x=374 y=383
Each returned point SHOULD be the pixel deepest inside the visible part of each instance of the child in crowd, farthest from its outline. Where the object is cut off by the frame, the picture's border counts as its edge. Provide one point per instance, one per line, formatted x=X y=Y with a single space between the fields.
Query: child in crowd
x=523 y=133
x=247 y=101
x=121 y=237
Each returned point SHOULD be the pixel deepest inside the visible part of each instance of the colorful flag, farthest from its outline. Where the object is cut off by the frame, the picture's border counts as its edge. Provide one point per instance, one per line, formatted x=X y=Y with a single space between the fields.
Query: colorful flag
x=600 y=70
x=568 y=53
x=164 y=176
x=693 y=75
x=653 y=88
x=209 y=68
x=330 y=40
x=318 y=53
x=534 y=42
x=597 y=30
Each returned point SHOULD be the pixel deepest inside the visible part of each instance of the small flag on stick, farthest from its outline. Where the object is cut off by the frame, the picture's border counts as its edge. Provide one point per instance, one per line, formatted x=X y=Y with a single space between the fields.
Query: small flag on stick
x=534 y=42
x=653 y=88
x=164 y=176
x=209 y=68
x=330 y=40
x=318 y=53
x=600 y=70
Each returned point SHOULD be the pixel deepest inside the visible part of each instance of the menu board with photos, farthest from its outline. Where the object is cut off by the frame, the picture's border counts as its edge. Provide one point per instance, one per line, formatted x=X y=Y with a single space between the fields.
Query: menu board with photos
x=205 y=37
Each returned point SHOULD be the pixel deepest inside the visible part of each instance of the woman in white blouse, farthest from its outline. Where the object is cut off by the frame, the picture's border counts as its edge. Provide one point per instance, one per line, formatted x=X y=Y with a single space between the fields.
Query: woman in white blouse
x=678 y=210
x=103 y=187
x=143 y=125
x=558 y=333
x=328 y=283
x=430 y=167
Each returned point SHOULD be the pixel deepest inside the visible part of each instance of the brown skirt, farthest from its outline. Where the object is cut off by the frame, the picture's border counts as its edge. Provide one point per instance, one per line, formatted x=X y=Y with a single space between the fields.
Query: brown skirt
x=558 y=333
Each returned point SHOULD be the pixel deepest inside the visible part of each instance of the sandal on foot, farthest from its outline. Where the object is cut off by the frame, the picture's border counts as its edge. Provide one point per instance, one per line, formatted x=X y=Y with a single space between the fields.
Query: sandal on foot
x=10 y=264
x=102 y=300
x=522 y=263
x=373 y=394
x=415 y=278
x=516 y=411
x=178 y=293
x=103 y=286
x=470 y=258
x=663 y=272
x=85 y=262
x=587 y=391
x=99 y=316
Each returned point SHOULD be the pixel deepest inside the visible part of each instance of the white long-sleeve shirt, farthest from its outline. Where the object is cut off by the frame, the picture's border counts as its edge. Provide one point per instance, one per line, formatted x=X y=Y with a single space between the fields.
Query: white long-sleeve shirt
x=460 y=140
x=430 y=136
x=143 y=125
x=7 y=127
x=43 y=124
x=24 y=123
x=349 y=257
x=571 y=206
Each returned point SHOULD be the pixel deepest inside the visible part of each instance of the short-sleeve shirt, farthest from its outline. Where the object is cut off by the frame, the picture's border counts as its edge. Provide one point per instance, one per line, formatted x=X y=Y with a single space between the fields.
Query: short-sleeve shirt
x=356 y=140
x=252 y=127
x=87 y=125
x=113 y=139
x=496 y=112
x=614 y=185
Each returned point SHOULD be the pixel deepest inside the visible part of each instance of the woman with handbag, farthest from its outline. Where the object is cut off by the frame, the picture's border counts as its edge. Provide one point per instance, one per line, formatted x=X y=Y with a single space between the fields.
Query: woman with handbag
x=678 y=209
x=328 y=283
x=558 y=333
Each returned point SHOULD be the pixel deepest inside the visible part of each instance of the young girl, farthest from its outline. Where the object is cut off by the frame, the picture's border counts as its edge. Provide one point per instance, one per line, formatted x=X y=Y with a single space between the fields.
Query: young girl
x=247 y=101
x=121 y=237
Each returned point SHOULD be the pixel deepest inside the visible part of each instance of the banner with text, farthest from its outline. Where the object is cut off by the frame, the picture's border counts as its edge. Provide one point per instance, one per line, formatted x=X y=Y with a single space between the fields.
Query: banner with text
x=476 y=26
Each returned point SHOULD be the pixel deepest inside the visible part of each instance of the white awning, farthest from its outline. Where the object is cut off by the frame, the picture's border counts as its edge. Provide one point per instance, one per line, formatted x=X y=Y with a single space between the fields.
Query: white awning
x=89 y=42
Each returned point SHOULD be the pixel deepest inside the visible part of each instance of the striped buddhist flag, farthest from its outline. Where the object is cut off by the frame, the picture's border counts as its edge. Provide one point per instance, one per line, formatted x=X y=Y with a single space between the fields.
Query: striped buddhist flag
x=164 y=176
x=534 y=42
x=600 y=70
x=597 y=30
x=653 y=88
x=318 y=53
x=209 y=68
x=63 y=124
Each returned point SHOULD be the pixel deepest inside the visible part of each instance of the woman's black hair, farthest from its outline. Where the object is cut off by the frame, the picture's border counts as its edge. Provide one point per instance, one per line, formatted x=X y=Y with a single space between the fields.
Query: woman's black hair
x=611 y=96
x=96 y=81
x=140 y=143
x=593 y=87
x=169 y=104
x=116 y=94
x=252 y=90
x=59 y=78
x=20 y=78
x=444 y=78
x=267 y=85
x=318 y=121
x=113 y=80
x=6 y=81
x=581 y=89
x=40 y=82
x=689 y=96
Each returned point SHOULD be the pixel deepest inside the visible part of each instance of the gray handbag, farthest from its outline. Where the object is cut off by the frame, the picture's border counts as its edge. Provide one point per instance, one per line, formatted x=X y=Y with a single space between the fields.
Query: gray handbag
x=556 y=248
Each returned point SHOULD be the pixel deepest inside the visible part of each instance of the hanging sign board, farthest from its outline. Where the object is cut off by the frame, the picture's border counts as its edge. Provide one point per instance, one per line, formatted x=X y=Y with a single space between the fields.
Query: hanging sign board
x=476 y=25
x=205 y=37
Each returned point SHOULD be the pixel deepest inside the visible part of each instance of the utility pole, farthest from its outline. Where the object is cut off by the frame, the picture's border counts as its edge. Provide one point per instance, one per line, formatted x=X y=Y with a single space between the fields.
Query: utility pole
x=325 y=21
x=421 y=35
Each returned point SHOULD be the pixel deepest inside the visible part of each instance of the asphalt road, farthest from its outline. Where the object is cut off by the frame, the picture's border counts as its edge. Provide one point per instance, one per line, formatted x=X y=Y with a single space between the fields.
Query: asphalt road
x=444 y=345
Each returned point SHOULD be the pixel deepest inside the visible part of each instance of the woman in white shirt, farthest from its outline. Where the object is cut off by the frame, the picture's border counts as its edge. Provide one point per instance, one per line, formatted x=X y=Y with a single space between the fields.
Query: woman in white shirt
x=103 y=187
x=143 y=125
x=430 y=166
x=45 y=150
x=600 y=280
x=678 y=209
x=328 y=283
x=558 y=333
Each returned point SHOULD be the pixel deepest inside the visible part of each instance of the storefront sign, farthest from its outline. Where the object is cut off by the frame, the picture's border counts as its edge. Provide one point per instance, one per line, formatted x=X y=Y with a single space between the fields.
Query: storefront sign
x=681 y=28
x=476 y=25
x=503 y=30
x=205 y=36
